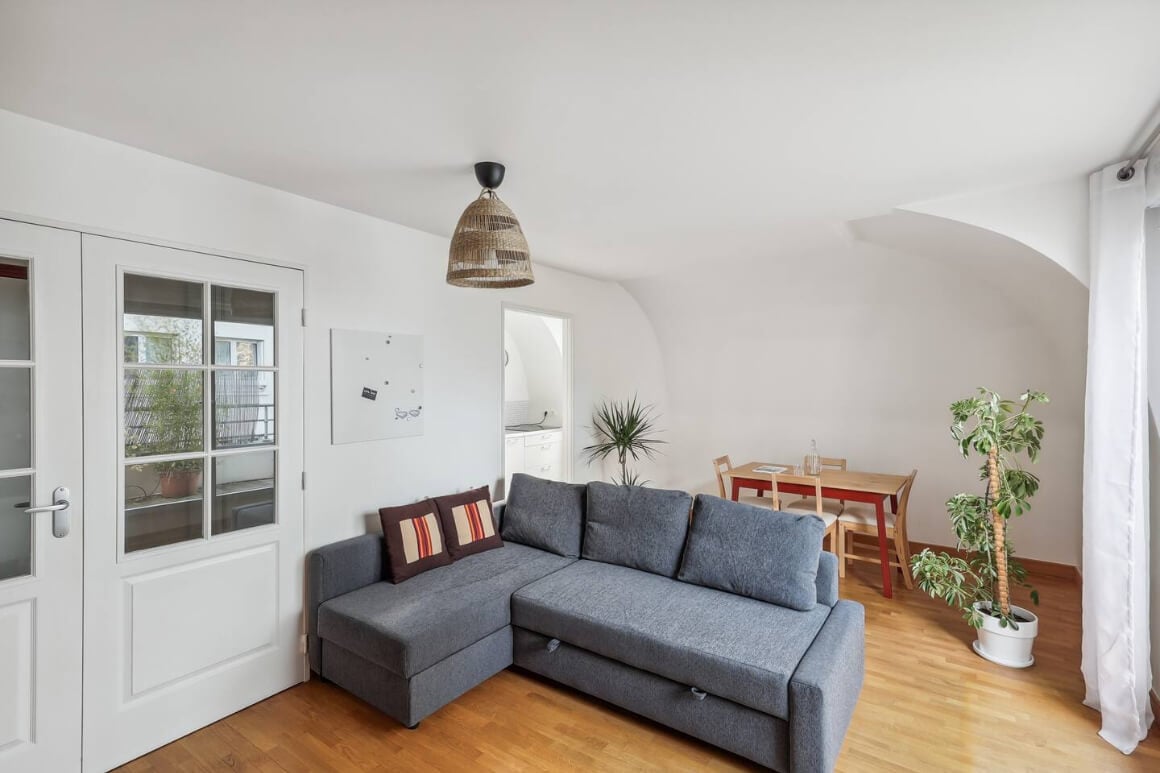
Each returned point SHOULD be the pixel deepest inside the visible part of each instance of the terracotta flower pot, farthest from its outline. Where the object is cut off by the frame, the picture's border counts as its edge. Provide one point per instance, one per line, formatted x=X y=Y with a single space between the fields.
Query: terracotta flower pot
x=176 y=484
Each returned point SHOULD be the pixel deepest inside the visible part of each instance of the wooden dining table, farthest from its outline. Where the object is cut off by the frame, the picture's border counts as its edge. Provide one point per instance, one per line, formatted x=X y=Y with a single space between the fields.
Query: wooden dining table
x=874 y=488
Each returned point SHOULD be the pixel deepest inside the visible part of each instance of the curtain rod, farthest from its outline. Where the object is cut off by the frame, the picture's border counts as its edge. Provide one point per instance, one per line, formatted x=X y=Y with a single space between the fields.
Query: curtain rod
x=1128 y=170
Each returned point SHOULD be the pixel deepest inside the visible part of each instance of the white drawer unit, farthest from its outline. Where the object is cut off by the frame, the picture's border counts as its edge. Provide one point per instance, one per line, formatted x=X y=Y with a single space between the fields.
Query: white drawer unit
x=534 y=453
x=543 y=455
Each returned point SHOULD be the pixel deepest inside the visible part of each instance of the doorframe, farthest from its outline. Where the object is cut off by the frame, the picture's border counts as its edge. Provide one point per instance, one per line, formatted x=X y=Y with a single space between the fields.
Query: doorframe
x=566 y=421
x=155 y=241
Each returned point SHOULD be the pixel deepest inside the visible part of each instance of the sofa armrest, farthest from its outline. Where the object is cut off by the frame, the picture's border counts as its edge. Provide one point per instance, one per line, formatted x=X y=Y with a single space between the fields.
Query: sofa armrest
x=824 y=690
x=827 y=582
x=336 y=569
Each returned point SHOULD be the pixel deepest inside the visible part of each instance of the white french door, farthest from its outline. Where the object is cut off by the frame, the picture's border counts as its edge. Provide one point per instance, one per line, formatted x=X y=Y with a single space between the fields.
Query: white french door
x=40 y=468
x=193 y=455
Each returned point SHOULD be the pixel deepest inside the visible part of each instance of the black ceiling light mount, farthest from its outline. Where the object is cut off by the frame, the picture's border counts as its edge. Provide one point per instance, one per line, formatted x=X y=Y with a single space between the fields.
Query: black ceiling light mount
x=489 y=174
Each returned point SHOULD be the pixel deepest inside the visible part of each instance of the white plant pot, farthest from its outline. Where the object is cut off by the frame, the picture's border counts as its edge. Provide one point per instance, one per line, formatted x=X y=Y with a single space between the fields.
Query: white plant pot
x=1007 y=646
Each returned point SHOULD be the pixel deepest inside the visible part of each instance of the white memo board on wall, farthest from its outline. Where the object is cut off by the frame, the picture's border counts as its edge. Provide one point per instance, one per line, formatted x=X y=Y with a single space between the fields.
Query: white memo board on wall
x=376 y=386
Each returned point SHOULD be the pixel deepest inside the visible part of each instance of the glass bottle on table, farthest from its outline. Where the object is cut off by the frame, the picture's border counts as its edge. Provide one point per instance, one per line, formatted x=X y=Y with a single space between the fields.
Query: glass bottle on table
x=813 y=461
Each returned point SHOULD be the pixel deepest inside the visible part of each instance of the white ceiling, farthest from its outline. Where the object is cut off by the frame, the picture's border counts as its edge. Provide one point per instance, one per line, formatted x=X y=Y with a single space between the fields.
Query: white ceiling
x=639 y=136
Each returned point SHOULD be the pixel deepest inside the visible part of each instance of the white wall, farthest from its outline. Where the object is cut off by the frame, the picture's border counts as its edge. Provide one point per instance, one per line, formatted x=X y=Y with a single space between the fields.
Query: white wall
x=362 y=273
x=542 y=361
x=1050 y=218
x=864 y=349
x=515 y=377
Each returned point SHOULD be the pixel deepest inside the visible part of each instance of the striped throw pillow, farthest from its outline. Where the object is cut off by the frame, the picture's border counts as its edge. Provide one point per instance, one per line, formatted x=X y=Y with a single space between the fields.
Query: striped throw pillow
x=473 y=521
x=468 y=523
x=414 y=537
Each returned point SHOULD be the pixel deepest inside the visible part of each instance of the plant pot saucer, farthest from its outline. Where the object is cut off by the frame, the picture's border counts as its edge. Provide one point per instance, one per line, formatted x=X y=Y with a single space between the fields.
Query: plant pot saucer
x=1008 y=663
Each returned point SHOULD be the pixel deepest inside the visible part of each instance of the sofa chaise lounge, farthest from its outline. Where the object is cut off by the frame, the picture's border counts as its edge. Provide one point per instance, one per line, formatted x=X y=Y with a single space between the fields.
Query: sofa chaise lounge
x=615 y=595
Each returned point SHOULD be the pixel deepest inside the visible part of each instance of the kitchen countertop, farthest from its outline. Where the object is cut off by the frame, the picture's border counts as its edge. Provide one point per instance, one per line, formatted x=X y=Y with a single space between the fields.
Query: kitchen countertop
x=526 y=432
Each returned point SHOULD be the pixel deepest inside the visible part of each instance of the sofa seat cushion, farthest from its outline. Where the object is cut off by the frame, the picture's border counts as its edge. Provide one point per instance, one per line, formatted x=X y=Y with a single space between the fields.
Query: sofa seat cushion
x=409 y=627
x=729 y=646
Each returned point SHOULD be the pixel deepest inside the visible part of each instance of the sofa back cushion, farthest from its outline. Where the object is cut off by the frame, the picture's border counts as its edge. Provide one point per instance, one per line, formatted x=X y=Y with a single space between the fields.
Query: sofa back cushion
x=468 y=524
x=545 y=514
x=414 y=540
x=641 y=528
x=754 y=552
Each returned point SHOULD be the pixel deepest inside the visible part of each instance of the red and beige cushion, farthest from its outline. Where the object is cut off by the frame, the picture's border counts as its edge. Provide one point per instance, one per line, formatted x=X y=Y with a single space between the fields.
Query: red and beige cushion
x=864 y=515
x=414 y=537
x=468 y=523
x=808 y=505
x=829 y=519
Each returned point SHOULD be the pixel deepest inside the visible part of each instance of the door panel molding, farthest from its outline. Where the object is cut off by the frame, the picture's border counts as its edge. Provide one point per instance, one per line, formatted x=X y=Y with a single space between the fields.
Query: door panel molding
x=183 y=651
x=17 y=643
x=240 y=597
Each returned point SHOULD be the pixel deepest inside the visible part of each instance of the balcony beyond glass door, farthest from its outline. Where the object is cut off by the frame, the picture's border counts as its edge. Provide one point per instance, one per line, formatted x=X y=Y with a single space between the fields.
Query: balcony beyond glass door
x=17 y=372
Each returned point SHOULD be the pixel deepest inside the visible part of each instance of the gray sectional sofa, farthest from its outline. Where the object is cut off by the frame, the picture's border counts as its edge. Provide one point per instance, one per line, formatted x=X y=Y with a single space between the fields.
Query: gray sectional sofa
x=729 y=630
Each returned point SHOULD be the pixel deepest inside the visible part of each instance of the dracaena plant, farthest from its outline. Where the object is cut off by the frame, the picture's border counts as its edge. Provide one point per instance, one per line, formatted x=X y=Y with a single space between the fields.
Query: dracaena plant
x=624 y=429
x=1003 y=434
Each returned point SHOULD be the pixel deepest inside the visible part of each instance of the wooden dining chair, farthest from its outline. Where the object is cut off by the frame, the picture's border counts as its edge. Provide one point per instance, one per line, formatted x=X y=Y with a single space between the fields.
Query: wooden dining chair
x=827 y=462
x=861 y=518
x=818 y=506
x=807 y=503
x=721 y=467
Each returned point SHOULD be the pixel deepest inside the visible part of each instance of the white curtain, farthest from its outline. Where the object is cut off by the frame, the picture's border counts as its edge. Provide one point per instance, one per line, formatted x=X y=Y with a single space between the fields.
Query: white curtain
x=1116 y=666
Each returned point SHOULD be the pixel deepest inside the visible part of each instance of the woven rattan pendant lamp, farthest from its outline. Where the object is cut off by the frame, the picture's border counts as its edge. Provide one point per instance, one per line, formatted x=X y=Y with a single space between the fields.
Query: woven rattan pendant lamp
x=488 y=248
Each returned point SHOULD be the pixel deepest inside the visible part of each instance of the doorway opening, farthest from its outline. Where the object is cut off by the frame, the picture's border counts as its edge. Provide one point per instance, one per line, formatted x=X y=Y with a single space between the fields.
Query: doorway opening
x=537 y=394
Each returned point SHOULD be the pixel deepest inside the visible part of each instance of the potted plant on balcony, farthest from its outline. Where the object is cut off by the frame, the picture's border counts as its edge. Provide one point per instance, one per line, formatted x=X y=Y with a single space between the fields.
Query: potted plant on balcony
x=1002 y=432
x=164 y=416
x=625 y=429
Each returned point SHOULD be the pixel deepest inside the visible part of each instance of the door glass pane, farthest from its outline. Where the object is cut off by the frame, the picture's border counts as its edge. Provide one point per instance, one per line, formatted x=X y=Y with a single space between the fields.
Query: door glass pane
x=243 y=408
x=15 y=343
x=243 y=327
x=243 y=486
x=15 y=418
x=15 y=527
x=163 y=411
x=163 y=503
x=163 y=321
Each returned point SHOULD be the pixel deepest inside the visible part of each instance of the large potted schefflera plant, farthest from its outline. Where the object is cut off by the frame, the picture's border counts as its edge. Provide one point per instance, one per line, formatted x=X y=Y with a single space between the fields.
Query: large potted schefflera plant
x=626 y=429
x=1002 y=432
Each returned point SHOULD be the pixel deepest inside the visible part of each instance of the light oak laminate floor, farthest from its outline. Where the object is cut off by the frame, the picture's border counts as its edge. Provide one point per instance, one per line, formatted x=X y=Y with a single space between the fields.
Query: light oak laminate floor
x=928 y=704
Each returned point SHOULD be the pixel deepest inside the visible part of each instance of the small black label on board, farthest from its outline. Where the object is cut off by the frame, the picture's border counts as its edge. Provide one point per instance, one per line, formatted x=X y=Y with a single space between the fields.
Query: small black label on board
x=369 y=393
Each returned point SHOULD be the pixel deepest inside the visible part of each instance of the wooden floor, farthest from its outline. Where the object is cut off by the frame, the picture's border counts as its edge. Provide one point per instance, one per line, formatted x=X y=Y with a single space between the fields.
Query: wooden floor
x=929 y=704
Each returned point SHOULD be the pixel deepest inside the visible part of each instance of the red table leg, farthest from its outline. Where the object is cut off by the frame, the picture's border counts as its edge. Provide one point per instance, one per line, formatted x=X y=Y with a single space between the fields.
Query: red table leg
x=894 y=503
x=883 y=551
x=736 y=489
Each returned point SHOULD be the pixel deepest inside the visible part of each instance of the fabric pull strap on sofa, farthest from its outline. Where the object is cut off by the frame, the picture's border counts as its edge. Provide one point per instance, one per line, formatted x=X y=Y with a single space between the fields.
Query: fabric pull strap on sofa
x=730 y=630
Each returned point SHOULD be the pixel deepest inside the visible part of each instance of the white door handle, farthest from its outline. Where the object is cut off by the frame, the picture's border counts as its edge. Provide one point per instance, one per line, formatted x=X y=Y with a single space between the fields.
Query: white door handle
x=59 y=509
x=48 y=508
